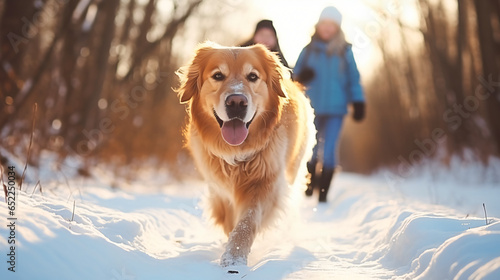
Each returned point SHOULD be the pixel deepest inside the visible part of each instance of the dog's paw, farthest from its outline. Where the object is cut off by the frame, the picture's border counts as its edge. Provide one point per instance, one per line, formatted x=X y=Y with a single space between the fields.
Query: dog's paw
x=229 y=259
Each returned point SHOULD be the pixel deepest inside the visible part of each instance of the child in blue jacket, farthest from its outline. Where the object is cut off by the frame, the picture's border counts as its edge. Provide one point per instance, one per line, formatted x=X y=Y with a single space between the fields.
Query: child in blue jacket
x=327 y=67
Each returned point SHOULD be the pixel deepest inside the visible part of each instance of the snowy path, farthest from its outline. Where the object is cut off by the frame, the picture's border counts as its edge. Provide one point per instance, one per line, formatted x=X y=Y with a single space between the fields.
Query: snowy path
x=368 y=230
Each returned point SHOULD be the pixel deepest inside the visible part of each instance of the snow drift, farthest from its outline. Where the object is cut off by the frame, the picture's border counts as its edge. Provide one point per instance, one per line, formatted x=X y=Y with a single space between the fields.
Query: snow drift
x=427 y=228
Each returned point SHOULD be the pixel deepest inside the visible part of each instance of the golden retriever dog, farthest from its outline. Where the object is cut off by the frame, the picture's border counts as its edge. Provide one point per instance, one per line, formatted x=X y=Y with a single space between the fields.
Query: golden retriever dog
x=250 y=130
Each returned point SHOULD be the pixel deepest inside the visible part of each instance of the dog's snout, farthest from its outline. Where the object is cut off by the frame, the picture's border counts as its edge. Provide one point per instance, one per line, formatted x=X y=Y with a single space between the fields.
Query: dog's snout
x=236 y=106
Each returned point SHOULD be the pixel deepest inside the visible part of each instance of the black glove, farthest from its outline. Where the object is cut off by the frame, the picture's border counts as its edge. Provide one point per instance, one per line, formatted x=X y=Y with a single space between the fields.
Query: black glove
x=305 y=76
x=359 y=111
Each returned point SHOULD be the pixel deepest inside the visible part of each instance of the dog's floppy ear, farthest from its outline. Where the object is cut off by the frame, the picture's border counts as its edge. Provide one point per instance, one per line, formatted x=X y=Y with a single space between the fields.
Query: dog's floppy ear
x=190 y=75
x=276 y=72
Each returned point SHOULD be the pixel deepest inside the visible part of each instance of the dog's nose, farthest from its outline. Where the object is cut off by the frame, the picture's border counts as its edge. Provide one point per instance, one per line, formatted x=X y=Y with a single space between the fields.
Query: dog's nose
x=236 y=106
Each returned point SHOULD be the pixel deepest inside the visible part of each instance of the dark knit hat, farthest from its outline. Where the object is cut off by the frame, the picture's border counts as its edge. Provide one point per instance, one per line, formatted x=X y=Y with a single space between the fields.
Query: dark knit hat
x=265 y=24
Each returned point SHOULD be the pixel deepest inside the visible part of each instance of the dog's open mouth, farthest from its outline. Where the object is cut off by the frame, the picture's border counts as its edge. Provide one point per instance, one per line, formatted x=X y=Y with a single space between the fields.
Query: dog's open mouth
x=235 y=131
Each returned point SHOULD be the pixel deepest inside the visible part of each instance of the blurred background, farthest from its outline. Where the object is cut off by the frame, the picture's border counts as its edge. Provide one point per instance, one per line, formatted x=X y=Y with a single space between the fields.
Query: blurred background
x=102 y=73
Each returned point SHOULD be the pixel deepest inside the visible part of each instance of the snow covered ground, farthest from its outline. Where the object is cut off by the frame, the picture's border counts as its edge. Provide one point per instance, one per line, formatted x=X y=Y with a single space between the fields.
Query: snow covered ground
x=430 y=226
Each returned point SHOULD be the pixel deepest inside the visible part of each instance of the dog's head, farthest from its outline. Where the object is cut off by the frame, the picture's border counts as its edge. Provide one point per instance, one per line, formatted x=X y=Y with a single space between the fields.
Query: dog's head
x=232 y=89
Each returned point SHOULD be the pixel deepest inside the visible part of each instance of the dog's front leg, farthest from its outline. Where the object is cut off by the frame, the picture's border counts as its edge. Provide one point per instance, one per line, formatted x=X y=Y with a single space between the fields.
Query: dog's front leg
x=241 y=238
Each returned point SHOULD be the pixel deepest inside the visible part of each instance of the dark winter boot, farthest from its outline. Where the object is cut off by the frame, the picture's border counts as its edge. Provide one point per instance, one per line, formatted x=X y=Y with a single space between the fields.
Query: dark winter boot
x=311 y=167
x=324 y=183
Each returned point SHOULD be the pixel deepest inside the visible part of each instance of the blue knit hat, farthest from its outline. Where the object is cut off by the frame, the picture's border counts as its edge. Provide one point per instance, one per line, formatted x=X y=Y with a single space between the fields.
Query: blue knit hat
x=331 y=13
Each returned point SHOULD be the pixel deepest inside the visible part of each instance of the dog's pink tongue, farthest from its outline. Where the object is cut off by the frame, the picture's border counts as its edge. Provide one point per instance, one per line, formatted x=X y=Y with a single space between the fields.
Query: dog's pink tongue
x=234 y=132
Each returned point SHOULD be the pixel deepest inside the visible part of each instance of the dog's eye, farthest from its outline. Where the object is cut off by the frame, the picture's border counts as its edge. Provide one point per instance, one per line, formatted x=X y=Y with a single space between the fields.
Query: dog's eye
x=218 y=76
x=252 y=77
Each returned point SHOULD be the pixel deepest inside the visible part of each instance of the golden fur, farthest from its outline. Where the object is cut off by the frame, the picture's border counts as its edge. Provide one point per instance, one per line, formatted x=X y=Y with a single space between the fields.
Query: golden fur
x=247 y=183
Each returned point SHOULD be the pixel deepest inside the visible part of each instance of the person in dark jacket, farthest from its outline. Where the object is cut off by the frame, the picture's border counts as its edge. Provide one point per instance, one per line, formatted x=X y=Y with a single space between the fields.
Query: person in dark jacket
x=265 y=34
x=327 y=67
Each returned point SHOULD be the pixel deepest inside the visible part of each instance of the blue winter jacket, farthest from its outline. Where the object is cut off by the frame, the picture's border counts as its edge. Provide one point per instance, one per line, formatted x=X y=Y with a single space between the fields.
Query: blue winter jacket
x=335 y=84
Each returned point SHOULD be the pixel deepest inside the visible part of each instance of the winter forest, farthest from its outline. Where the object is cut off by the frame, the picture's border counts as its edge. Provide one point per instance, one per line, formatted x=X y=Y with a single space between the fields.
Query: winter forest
x=106 y=189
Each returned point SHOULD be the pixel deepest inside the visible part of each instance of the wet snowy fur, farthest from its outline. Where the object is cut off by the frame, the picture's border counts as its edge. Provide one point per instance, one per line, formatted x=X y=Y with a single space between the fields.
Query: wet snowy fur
x=248 y=184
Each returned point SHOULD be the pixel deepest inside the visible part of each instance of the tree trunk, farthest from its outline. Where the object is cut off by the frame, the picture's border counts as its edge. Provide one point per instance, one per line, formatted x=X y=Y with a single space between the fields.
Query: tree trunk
x=105 y=20
x=490 y=69
x=15 y=35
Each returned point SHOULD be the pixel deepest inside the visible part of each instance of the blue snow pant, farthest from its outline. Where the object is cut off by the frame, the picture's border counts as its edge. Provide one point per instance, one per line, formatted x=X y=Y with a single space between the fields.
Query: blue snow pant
x=328 y=128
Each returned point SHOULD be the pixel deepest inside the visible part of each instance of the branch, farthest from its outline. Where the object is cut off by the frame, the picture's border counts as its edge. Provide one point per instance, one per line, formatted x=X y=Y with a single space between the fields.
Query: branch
x=170 y=32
